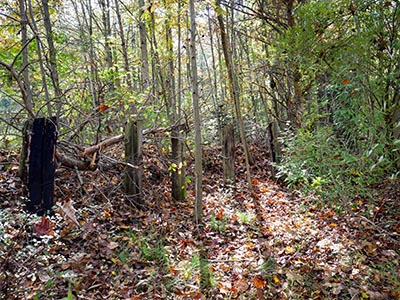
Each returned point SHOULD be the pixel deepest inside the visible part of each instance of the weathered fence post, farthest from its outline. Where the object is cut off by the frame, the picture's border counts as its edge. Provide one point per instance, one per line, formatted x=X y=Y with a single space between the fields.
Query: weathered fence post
x=228 y=155
x=178 y=168
x=133 y=156
x=37 y=164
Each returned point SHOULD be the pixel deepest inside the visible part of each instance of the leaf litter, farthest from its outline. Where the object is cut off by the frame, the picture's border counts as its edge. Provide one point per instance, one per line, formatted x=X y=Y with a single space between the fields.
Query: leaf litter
x=266 y=244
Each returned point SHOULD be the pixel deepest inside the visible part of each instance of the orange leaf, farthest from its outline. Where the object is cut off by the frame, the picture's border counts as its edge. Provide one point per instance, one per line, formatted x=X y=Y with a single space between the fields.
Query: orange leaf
x=102 y=107
x=333 y=225
x=219 y=215
x=255 y=181
x=330 y=214
x=346 y=82
x=258 y=283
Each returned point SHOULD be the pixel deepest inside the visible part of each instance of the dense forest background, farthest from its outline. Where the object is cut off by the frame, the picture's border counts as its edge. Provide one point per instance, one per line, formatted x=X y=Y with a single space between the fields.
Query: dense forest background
x=321 y=78
x=306 y=91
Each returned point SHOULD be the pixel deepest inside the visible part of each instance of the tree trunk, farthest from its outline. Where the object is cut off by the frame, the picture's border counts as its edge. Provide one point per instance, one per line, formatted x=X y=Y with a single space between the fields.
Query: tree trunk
x=145 y=77
x=235 y=92
x=123 y=47
x=105 y=7
x=52 y=56
x=25 y=57
x=41 y=61
x=198 y=169
x=177 y=146
x=133 y=156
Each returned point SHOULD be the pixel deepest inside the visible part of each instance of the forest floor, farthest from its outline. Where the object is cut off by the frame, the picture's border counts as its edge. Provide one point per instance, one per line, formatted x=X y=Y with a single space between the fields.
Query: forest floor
x=268 y=244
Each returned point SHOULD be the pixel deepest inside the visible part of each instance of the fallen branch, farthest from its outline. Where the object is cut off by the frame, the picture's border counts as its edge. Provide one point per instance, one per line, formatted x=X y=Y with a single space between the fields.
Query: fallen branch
x=104 y=144
x=72 y=162
x=120 y=138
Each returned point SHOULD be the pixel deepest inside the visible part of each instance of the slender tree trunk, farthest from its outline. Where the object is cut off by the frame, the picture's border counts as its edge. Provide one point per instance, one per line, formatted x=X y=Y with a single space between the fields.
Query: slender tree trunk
x=105 y=7
x=235 y=93
x=295 y=106
x=123 y=47
x=52 y=57
x=145 y=76
x=218 y=103
x=178 y=172
x=198 y=210
x=25 y=57
x=41 y=63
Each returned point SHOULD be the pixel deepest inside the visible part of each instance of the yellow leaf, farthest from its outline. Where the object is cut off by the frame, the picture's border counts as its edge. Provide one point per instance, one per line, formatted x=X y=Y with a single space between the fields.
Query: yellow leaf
x=333 y=225
x=124 y=227
x=115 y=260
x=290 y=250
x=276 y=279
x=249 y=246
x=364 y=295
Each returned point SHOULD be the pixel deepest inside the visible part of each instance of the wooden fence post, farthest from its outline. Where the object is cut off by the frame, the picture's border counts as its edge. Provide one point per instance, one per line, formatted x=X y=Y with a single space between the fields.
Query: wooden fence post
x=228 y=155
x=133 y=156
x=37 y=164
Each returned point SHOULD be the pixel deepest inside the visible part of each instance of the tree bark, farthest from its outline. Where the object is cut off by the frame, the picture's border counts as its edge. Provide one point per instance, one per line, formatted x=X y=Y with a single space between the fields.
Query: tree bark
x=52 y=56
x=25 y=57
x=41 y=62
x=235 y=92
x=144 y=67
x=198 y=210
x=124 y=48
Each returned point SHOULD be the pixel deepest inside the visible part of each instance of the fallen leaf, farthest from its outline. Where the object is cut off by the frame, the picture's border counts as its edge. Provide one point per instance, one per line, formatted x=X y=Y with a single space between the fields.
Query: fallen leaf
x=69 y=211
x=258 y=283
x=290 y=250
x=225 y=287
x=241 y=285
x=112 y=245
x=44 y=227
x=220 y=215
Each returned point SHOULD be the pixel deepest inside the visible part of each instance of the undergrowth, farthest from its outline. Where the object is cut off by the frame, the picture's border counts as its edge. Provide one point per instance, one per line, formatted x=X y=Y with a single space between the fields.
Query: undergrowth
x=317 y=162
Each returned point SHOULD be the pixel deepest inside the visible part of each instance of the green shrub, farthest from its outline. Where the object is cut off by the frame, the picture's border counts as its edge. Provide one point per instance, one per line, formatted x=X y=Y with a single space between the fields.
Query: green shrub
x=317 y=162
